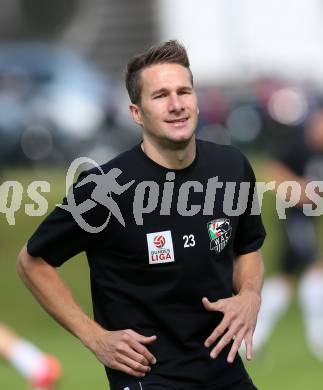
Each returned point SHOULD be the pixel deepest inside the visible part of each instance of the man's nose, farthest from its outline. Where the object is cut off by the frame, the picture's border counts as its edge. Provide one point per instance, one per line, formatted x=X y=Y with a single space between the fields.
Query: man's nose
x=175 y=104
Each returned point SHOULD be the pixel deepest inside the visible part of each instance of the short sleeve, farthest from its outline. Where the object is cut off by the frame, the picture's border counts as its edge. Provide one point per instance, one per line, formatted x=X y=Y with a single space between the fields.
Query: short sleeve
x=250 y=233
x=60 y=237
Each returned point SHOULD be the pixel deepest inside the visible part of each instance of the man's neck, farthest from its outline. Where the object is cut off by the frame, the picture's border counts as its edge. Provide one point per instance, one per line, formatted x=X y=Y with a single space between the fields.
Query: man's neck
x=168 y=157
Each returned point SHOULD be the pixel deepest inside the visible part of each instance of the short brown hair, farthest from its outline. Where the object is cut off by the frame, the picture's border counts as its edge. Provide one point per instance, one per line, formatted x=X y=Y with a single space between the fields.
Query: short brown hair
x=170 y=52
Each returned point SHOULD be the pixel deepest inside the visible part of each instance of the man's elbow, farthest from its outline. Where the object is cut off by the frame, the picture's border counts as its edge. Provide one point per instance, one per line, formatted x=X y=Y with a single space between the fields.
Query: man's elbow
x=25 y=263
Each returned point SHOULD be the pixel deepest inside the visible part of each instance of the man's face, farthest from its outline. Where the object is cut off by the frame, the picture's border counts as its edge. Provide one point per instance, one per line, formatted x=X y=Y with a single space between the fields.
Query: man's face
x=168 y=109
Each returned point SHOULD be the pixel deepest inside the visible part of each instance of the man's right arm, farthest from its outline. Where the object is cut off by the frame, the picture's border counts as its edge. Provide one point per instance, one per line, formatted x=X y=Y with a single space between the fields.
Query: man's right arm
x=122 y=350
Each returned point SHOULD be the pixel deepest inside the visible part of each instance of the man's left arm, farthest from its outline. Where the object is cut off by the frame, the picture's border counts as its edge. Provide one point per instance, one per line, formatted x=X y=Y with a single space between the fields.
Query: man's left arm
x=240 y=311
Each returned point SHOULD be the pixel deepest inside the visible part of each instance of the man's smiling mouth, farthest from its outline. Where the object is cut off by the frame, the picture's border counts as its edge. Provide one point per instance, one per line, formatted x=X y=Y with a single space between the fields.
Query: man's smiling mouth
x=177 y=120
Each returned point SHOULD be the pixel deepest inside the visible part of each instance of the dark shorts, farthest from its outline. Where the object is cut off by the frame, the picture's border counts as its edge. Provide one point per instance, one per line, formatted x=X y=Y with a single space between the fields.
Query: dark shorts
x=160 y=384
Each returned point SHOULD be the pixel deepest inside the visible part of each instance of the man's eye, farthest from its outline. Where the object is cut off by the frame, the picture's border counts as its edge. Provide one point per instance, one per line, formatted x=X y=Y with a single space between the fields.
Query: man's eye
x=159 y=96
x=184 y=92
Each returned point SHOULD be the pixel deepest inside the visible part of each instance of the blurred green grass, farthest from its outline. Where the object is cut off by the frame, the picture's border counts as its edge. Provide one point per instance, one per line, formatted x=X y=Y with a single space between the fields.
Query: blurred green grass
x=285 y=363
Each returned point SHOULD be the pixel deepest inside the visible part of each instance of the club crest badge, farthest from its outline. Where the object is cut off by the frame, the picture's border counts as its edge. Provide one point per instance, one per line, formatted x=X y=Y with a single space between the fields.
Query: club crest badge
x=220 y=232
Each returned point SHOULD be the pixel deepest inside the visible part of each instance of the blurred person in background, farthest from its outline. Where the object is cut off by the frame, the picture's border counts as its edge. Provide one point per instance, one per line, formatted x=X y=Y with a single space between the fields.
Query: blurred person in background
x=173 y=296
x=42 y=371
x=301 y=161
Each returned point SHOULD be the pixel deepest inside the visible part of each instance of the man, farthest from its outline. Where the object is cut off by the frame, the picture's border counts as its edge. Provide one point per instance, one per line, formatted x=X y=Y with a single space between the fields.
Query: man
x=300 y=161
x=40 y=370
x=162 y=282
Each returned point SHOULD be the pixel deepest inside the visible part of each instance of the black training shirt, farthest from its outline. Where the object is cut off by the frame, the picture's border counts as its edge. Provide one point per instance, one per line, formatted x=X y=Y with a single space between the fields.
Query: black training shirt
x=151 y=277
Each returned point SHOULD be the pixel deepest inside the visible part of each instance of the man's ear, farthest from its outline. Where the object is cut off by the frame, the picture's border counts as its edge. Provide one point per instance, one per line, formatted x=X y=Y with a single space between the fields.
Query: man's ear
x=136 y=113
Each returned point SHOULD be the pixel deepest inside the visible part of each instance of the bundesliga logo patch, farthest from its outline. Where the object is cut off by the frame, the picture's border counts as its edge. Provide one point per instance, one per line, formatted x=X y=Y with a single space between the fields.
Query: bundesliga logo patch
x=160 y=247
x=220 y=233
